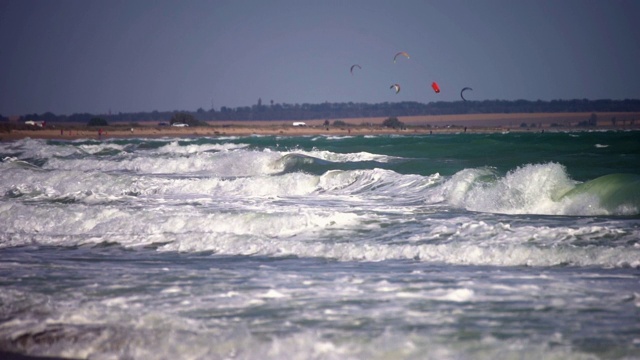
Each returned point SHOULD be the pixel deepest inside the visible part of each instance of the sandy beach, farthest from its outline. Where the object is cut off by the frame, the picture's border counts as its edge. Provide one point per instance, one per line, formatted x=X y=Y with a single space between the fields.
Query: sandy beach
x=72 y=133
x=432 y=124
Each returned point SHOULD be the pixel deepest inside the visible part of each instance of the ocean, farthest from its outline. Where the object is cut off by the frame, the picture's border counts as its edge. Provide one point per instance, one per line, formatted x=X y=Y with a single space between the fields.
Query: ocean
x=522 y=245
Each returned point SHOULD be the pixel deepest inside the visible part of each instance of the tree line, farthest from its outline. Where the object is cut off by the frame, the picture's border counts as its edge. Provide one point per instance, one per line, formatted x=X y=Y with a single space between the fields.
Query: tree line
x=331 y=111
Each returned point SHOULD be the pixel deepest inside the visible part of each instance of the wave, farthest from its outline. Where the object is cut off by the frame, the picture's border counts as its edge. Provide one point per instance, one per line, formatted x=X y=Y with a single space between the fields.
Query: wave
x=345 y=234
x=298 y=162
x=617 y=194
x=537 y=189
x=337 y=203
x=541 y=189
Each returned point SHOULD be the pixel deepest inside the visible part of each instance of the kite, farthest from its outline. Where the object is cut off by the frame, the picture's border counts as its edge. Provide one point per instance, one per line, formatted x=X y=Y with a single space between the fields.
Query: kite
x=435 y=87
x=463 y=90
x=354 y=66
x=400 y=53
x=396 y=87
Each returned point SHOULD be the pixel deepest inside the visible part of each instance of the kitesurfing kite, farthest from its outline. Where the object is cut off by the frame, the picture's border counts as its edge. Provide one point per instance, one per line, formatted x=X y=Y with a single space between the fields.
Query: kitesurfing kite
x=435 y=87
x=463 y=90
x=354 y=66
x=400 y=53
x=396 y=87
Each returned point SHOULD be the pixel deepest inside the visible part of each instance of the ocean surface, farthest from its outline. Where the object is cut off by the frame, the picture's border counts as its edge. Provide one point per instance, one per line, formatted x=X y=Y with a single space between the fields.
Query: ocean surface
x=459 y=246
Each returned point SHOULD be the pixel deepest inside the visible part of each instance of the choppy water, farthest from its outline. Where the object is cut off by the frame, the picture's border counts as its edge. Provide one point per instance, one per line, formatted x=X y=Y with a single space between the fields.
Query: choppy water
x=463 y=246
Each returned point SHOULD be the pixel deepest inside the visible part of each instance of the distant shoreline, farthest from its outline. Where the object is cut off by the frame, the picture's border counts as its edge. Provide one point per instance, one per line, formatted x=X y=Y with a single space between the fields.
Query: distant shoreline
x=432 y=124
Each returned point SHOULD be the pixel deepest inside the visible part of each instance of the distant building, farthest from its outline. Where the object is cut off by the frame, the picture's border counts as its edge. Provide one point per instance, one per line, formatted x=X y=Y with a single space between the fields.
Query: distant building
x=299 y=123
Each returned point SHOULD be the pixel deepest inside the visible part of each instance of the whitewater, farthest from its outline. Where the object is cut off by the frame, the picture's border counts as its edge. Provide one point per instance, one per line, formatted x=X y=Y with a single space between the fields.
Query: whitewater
x=450 y=246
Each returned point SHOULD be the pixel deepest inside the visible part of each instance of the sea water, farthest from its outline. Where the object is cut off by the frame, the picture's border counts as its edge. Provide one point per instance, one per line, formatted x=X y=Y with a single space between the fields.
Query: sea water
x=459 y=246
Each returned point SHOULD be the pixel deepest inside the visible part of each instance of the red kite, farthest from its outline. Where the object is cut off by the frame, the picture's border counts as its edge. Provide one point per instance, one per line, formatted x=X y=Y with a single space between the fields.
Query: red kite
x=435 y=87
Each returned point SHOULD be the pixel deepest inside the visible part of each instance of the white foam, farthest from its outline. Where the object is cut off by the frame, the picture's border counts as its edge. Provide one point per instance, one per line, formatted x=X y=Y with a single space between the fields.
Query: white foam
x=273 y=294
x=223 y=164
x=345 y=157
x=333 y=137
x=377 y=182
x=530 y=189
x=100 y=147
x=507 y=247
x=175 y=147
x=457 y=295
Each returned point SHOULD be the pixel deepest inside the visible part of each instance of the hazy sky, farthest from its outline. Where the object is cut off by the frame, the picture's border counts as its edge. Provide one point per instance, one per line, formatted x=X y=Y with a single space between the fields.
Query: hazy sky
x=125 y=56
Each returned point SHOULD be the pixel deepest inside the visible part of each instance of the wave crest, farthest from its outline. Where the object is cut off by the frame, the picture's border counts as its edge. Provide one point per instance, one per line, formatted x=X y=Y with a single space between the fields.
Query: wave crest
x=542 y=189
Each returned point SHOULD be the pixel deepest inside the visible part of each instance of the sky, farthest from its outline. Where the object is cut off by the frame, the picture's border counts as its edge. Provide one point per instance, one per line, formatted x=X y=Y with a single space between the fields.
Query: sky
x=99 y=56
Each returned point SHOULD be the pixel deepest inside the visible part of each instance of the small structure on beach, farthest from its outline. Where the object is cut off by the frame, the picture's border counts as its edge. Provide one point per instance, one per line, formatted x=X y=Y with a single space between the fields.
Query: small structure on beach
x=299 y=123
x=40 y=124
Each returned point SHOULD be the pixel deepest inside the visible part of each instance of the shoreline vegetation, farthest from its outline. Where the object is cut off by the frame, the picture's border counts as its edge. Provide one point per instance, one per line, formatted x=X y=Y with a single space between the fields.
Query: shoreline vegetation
x=426 y=124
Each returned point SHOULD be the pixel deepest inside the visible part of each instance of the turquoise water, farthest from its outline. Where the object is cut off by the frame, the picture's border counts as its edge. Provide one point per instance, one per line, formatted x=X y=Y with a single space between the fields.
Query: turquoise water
x=461 y=246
